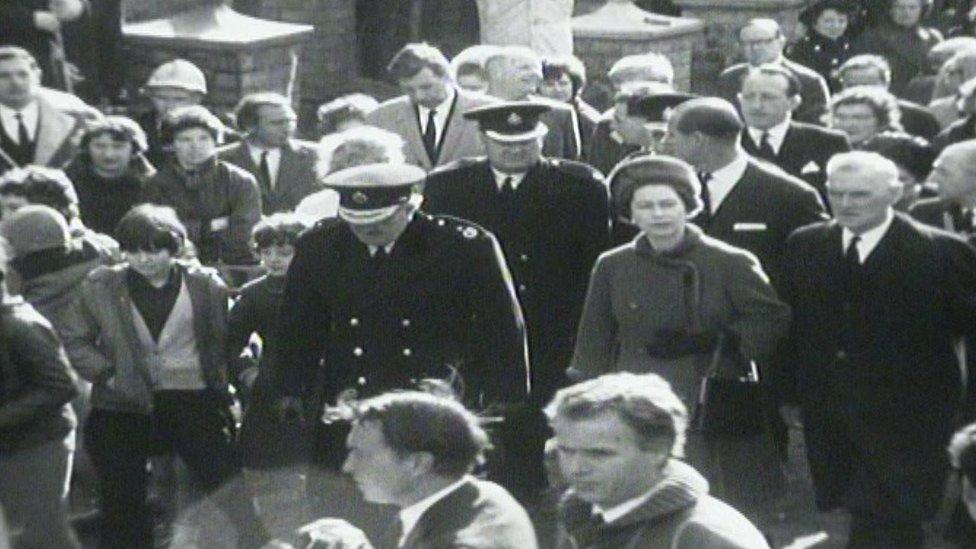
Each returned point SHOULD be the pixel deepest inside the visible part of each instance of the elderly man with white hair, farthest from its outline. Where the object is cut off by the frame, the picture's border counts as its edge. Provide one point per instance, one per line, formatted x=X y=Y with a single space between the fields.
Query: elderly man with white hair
x=514 y=74
x=880 y=303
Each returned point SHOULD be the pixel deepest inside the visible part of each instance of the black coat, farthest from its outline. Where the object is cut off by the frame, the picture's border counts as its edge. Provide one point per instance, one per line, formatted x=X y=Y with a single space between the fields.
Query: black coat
x=960 y=130
x=805 y=151
x=918 y=120
x=442 y=301
x=813 y=89
x=760 y=212
x=603 y=151
x=874 y=362
x=551 y=235
x=823 y=55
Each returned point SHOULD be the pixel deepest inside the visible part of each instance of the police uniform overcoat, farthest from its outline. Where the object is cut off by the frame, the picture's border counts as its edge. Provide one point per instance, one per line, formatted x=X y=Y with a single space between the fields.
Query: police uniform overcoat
x=551 y=230
x=441 y=302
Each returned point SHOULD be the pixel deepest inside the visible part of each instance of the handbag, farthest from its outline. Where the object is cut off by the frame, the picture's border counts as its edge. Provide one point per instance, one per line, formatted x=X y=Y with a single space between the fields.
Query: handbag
x=729 y=404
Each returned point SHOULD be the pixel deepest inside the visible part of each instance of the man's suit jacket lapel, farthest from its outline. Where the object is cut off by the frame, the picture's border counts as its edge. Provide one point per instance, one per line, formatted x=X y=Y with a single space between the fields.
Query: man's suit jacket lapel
x=441 y=517
x=450 y=140
x=741 y=192
x=289 y=171
x=409 y=124
x=53 y=131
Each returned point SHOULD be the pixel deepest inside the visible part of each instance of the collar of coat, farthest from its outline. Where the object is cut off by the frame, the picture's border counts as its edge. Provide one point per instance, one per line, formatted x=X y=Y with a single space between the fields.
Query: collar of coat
x=693 y=236
x=680 y=488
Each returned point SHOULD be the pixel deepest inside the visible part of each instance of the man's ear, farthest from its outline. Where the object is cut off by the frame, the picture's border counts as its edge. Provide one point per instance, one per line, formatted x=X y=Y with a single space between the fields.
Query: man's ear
x=795 y=101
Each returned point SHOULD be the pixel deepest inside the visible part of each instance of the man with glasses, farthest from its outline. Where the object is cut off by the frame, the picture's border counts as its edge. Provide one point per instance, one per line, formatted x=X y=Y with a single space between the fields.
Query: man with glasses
x=762 y=42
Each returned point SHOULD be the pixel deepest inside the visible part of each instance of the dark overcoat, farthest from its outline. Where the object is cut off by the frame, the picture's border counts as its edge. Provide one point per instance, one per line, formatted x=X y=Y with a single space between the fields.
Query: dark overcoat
x=875 y=364
x=442 y=302
x=551 y=232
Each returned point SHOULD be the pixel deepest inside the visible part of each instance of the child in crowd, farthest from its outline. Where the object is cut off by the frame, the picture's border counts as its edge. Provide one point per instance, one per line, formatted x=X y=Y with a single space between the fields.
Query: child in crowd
x=151 y=344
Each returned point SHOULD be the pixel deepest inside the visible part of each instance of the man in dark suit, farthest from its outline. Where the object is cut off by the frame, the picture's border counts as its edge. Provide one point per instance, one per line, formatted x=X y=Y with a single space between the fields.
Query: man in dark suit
x=429 y=115
x=386 y=297
x=416 y=451
x=552 y=219
x=763 y=41
x=35 y=25
x=284 y=167
x=747 y=203
x=873 y=70
x=880 y=303
x=514 y=74
x=769 y=95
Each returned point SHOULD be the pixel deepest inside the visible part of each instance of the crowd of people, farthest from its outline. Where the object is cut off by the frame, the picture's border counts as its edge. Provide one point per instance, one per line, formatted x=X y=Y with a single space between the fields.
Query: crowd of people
x=488 y=314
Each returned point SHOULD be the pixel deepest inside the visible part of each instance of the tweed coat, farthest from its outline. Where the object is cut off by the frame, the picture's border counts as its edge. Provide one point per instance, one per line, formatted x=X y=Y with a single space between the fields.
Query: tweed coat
x=873 y=356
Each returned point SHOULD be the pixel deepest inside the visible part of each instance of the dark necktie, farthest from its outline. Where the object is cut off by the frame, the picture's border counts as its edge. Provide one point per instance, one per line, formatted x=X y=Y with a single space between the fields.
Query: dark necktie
x=265 y=170
x=706 y=195
x=508 y=188
x=430 y=136
x=765 y=149
x=23 y=138
x=851 y=256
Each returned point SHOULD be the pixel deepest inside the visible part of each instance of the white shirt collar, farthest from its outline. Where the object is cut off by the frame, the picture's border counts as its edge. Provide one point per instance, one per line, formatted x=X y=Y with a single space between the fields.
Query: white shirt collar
x=775 y=135
x=440 y=119
x=725 y=178
x=31 y=114
x=869 y=239
x=500 y=178
x=410 y=515
x=618 y=511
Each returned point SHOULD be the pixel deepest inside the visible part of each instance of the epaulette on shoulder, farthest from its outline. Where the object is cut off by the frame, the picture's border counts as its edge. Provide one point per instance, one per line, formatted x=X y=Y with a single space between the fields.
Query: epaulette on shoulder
x=462 y=228
x=578 y=169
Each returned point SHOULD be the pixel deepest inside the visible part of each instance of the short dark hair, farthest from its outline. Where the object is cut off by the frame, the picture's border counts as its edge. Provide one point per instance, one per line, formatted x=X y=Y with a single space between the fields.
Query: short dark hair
x=42 y=185
x=119 y=128
x=413 y=421
x=711 y=116
x=553 y=68
x=246 y=111
x=151 y=228
x=280 y=229
x=416 y=57
x=645 y=402
x=184 y=118
x=772 y=69
x=14 y=52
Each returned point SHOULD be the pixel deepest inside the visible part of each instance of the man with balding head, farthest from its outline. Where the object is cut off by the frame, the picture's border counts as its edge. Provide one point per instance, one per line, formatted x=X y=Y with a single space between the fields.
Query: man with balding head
x=880 y=303
x=514 y=74
x=762 y=42
x=954 y=176
x=748 y=204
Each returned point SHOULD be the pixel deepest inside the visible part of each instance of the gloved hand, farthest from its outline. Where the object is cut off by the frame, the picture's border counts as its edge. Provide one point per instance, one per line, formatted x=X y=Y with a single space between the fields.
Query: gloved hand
x=672 y=344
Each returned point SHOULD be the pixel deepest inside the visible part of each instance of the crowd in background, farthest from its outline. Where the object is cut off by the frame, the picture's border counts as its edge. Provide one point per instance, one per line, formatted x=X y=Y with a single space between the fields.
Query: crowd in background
x=641 y=294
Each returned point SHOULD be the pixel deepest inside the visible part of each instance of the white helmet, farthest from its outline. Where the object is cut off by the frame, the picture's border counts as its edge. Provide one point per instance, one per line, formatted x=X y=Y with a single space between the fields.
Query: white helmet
x=178 y=73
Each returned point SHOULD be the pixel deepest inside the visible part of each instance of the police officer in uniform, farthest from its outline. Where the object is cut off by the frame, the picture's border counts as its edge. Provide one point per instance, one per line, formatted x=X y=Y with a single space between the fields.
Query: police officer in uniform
x=551 y=217
x=385 y=298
